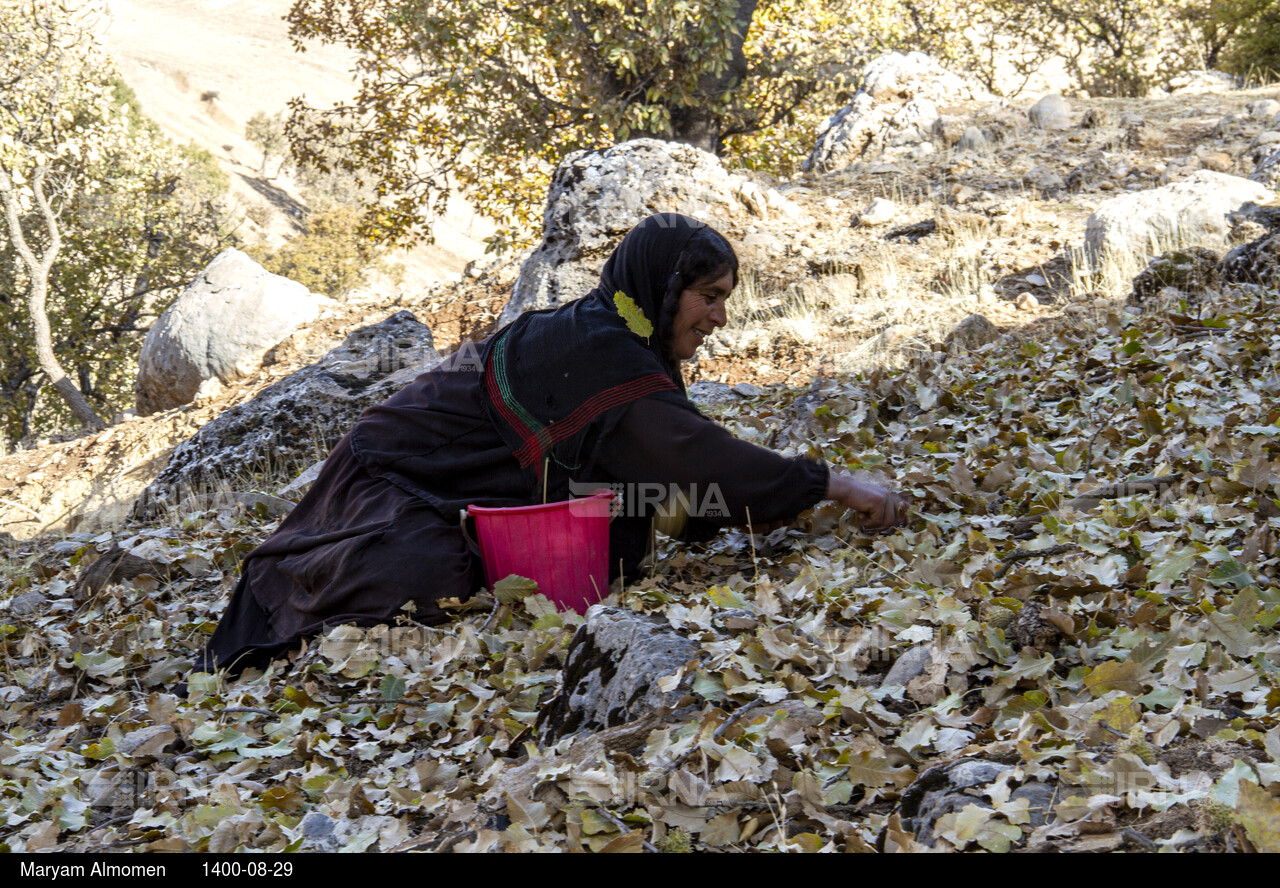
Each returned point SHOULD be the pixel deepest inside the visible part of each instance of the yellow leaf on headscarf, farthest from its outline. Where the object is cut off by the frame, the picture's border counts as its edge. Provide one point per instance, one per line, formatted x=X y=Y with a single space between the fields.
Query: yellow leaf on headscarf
x=633 y=314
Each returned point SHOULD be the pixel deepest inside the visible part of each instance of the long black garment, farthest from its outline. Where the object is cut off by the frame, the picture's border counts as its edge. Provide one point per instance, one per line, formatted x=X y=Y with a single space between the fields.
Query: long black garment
x=574 y=396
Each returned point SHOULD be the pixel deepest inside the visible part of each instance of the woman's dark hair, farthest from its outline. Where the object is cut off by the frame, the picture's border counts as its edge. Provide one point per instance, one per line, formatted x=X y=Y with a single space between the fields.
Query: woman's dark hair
x=706 y=256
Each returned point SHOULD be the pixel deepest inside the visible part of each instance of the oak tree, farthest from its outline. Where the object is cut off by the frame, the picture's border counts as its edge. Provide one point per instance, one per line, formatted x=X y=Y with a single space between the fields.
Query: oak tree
x=489 y=97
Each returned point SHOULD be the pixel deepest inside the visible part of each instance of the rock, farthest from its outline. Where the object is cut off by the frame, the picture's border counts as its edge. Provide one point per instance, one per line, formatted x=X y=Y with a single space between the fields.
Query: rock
x=596 y=197
x=1194 y=210
x=320 y=832
x=913 y=662
x=972 y=140
x=1026 y=301
x=951 y=787
x=951 y=129
x=1198 y=82
x=971 y=333
x=1267 y=172
x=1042 y=177
x=747 y=390
x=1050 y=113
x=1192 y=271
x=1030 y=630
x=1143 y=137
x=894 y=110
x=1257 y=262
x=289 y=423
x=219 y=328
x=706 y=393
x=27 y=604
x=879 y=212
x=1246 y=230
x=1263 y=109
x=611 y=673
x=1218 y=161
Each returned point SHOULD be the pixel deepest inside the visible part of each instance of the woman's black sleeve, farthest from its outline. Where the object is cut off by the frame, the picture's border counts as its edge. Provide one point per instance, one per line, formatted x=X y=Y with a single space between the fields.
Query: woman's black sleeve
x=661 y=444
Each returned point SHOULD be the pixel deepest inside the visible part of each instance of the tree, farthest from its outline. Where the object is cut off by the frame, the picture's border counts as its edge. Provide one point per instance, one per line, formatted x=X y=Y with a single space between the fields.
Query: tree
x=266 y=131
x=105 y=220
x=489 y=97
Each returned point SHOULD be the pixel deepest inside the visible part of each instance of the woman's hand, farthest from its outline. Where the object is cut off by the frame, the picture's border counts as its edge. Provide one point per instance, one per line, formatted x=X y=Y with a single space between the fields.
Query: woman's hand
x=884 y=508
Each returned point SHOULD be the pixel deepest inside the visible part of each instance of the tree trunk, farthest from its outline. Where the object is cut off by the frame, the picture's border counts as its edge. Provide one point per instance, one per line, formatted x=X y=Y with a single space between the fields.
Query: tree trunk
x=700 y=126
x=37 y=295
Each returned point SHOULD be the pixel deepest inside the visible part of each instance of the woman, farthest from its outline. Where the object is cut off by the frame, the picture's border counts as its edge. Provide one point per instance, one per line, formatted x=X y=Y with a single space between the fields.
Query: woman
x=586 y=394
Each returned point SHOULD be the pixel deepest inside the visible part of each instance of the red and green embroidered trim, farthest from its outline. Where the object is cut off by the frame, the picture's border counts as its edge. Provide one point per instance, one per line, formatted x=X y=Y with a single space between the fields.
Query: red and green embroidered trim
x=537 y=439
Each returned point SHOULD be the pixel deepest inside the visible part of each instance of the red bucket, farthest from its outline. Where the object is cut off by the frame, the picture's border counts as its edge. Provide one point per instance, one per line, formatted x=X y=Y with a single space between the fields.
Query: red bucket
x=563 y=547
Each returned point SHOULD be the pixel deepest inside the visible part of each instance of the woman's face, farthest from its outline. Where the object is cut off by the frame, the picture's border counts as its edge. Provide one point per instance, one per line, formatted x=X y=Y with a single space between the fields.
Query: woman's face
x=701 y=311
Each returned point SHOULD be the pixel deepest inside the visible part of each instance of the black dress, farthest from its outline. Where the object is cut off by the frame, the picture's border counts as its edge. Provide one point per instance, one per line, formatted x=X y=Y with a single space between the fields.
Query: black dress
x=557 y=401
x=380 y=526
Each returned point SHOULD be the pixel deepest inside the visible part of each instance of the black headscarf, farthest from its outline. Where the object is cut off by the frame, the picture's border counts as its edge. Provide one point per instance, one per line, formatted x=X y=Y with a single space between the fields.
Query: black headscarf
x=556 y=382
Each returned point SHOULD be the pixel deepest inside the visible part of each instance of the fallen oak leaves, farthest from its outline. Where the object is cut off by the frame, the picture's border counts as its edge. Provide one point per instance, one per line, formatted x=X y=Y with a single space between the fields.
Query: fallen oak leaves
x=1156 y=693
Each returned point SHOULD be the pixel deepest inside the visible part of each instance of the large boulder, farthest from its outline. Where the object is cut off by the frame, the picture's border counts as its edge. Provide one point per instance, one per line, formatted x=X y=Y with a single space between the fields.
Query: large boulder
x=612 y=671
x=895 y=110
x=219 y=328
x=596 y=197
x=1195 y=210
x=291 y=424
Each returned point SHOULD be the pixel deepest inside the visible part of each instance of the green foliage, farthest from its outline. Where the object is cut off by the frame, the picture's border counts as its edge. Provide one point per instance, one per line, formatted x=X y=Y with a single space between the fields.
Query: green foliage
x=490 y=97
x=130 y=218
x=266 y=132
x=1110 y=47
x=1249 y=31
x=330 y=257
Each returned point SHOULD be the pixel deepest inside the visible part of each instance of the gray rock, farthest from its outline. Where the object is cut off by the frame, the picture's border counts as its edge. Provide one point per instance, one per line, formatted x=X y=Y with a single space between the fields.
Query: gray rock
x=317 y=826
x=219 y=328
x=1194 y=210
x=707 y=393
x=611 y=673
x=287 y=424
x=1043 y=178
x=880 y=211
x=951 y=787
x=1050 y=113
x=914 y=123
x=1257 y=262
x=1263 y=109
x=596 y=197
x=893 y=113
x=913 y=662
x=321 y=833
x=972 y=140
x=1267 y=172
x=971 y=333
x=27 y=603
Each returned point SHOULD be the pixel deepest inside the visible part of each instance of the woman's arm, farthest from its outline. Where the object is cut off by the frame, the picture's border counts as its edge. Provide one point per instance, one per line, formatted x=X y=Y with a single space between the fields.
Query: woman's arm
x=657 y=443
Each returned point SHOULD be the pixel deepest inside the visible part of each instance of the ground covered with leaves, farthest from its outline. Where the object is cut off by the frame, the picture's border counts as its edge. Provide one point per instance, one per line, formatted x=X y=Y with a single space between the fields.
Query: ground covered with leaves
x=1089 y=581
